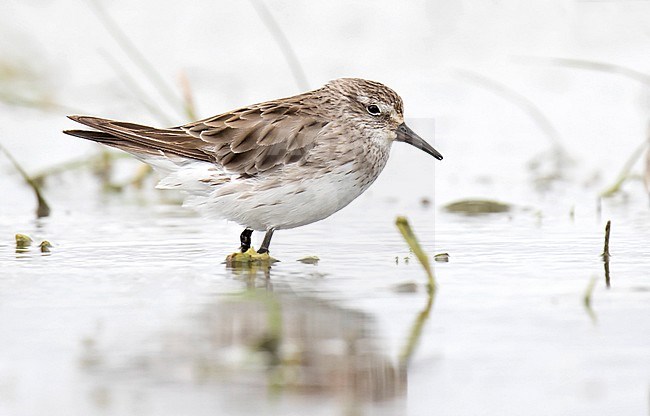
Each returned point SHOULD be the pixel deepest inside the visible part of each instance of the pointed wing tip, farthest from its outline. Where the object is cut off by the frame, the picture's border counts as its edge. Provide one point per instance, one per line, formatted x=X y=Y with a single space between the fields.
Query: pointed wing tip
x=77 y=118
x=94 y=135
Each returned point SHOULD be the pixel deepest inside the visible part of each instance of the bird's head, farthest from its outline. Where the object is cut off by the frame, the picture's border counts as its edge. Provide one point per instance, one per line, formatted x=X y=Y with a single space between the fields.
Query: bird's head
x=379 y=108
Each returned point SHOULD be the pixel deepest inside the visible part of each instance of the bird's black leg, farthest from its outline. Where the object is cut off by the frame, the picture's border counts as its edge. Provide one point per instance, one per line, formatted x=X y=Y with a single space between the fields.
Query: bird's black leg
x=264 y=248
x=245 y=239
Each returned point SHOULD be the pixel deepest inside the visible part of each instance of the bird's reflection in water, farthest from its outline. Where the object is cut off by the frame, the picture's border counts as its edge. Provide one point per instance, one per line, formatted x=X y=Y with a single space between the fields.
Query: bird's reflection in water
x=256 y=275
x=284 y=342
x=299 y=342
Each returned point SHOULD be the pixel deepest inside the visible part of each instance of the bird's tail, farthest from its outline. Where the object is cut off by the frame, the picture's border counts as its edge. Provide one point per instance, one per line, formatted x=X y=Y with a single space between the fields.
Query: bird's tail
x=170 y=151
x=139 y=140
x=96 y=136
x=105 y=135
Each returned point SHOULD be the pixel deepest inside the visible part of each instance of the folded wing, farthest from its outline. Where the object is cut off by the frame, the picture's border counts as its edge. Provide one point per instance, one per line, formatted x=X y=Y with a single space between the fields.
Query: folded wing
x=246 y=141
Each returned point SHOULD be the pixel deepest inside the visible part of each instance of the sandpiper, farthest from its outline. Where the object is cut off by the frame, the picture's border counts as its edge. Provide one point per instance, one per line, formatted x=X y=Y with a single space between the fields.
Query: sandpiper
x=274 y=165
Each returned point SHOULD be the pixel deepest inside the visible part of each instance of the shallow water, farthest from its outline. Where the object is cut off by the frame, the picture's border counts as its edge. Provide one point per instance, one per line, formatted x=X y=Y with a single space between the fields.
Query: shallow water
x=134 y=312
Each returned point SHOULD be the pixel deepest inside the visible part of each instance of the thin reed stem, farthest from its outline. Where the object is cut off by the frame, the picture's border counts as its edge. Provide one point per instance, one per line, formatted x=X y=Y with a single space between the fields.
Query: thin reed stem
x=625 y=171
x=520 y=101
x=136 y=56
x=43 y=209
x=416 y=330
x=589 y=65
x=139 y=93
x=283 y=42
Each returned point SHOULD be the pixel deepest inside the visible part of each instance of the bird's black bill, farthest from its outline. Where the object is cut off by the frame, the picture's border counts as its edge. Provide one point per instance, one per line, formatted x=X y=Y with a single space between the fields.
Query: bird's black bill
x=406 y=135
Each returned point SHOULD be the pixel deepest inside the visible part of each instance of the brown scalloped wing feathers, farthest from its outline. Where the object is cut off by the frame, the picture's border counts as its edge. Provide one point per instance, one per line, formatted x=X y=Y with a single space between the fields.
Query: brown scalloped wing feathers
x=246 y=141
x=254 y=140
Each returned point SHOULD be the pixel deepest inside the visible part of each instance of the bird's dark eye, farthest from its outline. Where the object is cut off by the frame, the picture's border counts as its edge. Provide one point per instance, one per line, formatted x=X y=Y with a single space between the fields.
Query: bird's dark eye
x=374 y=110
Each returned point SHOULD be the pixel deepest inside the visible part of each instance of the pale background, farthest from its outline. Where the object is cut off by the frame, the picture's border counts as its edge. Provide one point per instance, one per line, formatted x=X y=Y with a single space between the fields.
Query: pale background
x=130 y=302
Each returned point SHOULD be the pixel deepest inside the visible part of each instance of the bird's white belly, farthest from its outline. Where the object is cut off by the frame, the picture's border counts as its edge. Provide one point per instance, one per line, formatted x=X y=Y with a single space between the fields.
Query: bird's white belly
x=294 y=196
x=290 y=204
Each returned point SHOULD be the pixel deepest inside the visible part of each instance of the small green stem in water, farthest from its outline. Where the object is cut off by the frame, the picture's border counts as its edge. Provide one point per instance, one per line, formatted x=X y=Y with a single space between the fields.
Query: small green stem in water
x=416 y=330
x=407 y=232
x=605 y=254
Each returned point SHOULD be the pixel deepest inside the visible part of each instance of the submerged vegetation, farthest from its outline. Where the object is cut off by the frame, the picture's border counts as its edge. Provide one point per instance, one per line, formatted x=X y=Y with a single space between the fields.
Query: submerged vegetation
x=309 y=259
x=477 y=207
x=587 y=298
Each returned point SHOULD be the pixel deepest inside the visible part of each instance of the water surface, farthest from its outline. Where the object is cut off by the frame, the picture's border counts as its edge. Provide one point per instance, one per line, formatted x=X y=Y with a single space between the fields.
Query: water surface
x=134 y=312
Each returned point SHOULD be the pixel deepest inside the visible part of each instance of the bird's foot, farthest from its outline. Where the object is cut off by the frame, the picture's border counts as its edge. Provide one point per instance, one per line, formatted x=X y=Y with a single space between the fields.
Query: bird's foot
x=245 y=239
